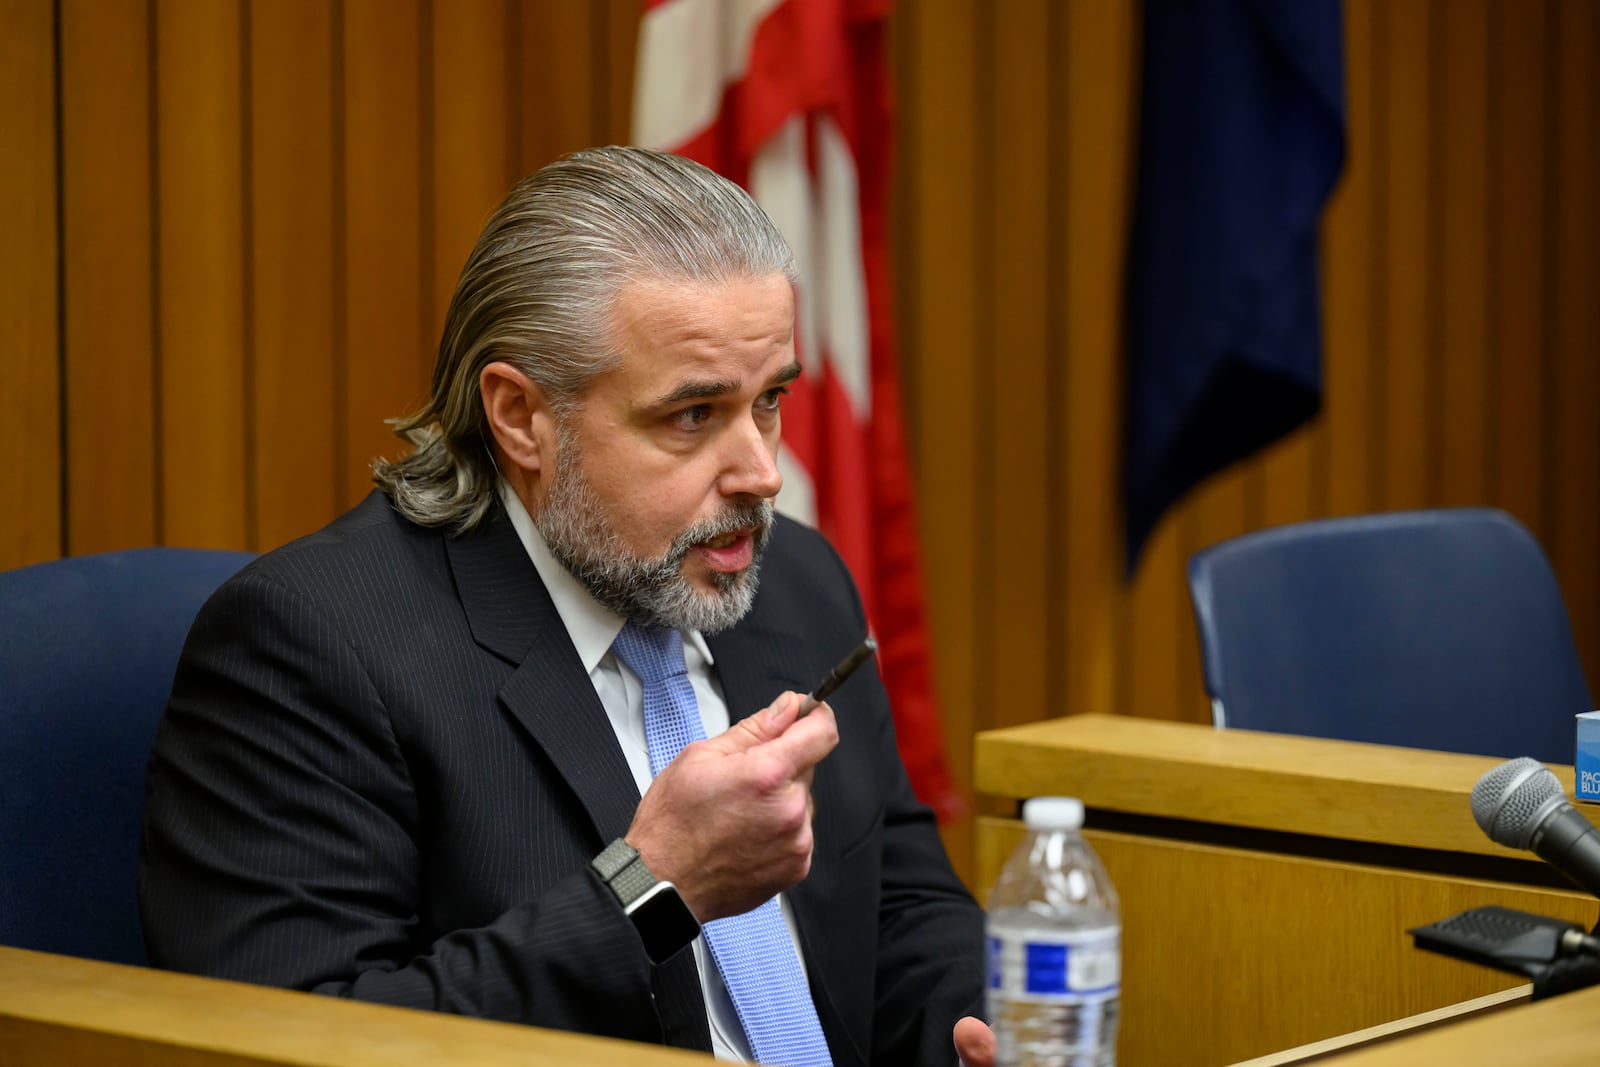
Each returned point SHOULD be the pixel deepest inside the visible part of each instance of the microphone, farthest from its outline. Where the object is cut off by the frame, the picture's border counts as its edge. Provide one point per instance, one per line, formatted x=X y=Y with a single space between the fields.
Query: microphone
x=1520 y=804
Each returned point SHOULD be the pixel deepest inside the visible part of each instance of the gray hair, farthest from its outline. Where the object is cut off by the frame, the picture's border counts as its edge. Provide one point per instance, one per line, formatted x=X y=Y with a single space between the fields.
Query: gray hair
x=538 y=292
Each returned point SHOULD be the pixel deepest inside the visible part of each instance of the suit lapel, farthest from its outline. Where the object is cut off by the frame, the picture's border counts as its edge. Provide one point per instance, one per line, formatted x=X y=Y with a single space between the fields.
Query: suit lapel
x=511 y=615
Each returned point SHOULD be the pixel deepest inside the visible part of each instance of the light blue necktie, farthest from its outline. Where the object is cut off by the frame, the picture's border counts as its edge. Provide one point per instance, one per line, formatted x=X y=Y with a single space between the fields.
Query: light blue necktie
x=753 y=951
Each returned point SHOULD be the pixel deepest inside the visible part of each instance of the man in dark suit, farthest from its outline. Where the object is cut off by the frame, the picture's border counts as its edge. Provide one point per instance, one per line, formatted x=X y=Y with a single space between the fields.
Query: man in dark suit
x=503 y=738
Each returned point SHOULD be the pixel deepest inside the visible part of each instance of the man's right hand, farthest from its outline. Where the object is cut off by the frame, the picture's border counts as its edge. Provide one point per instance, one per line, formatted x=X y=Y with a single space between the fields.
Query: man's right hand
x=729 y=820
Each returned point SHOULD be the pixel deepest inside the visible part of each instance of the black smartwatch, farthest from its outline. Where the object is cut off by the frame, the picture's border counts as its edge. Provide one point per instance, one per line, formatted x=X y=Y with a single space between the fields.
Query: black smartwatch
x=664 y=921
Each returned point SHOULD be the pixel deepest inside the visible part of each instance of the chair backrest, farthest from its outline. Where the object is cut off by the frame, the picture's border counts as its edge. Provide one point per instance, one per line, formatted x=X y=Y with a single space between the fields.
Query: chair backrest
x=1430 y=629
x=88 y=648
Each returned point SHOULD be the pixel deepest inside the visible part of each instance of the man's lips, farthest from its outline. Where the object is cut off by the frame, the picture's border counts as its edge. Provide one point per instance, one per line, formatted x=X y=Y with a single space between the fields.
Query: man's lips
x=730 y=551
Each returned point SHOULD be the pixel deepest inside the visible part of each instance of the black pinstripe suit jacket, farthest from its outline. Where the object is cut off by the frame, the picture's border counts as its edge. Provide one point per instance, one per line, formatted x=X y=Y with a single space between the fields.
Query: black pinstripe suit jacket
x=383 y=773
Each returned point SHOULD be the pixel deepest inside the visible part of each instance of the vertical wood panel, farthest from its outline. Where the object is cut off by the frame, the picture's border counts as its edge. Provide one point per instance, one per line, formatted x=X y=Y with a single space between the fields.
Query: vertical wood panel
x=943 y=322
x=1519 y=187
x=388 y=358
x=109 y=343
x=1094 y=118
x=1575 y=460
x=470 y=157
x=1462 y=192
x=621 y=41
x=1288 y=482
x=1347 y=243
x=1156 y=613
x=1017 y=379
x=291 y=98
x=560 y=113
x=200 y=259
x=30 y=364
x=1407 y=424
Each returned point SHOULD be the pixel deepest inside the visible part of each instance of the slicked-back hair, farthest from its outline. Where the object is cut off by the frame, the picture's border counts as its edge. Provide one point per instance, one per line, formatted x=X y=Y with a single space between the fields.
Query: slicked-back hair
x=538 y=292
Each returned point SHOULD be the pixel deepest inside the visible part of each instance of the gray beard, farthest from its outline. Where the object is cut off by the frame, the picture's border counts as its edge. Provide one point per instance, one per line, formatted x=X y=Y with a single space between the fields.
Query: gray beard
x=649 y=591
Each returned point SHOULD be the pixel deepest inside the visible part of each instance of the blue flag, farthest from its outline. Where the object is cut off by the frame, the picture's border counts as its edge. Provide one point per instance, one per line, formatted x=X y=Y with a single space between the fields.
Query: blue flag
x=1241 y=139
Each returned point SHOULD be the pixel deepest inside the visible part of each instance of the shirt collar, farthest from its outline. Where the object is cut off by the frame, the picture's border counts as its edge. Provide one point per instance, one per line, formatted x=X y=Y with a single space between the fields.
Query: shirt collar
x=591 y=625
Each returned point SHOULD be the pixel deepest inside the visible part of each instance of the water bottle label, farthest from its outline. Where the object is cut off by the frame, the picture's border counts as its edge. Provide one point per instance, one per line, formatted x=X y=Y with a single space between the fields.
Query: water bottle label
x=1080 y=968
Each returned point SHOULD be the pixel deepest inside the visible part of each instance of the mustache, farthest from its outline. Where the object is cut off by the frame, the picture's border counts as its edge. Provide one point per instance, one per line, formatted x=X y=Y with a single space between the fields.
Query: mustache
x=757 y=515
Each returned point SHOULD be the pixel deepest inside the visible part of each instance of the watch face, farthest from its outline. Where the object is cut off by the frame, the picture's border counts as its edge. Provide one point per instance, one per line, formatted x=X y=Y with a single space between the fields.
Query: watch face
x=664 y=922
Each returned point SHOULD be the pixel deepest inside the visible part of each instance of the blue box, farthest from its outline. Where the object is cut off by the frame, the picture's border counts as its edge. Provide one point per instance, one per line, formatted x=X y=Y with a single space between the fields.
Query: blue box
x=1587 y=766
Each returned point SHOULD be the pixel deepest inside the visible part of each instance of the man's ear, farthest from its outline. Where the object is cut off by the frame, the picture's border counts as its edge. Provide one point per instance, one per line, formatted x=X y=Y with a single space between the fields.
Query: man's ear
x=519 y=417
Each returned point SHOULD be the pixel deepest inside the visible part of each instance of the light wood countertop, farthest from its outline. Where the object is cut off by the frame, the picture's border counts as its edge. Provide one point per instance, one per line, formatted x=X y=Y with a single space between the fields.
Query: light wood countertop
x=67 y=1012
x=1303 y=785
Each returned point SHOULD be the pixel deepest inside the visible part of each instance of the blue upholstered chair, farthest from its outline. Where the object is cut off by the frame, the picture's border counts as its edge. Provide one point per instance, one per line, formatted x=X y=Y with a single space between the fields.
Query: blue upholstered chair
x=1430 y=629
x=87 y=651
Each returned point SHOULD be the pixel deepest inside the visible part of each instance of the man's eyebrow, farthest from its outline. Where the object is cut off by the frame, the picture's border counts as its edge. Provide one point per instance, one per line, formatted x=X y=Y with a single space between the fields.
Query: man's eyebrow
x=710 y=390
x=697 y=391
x=785 y=375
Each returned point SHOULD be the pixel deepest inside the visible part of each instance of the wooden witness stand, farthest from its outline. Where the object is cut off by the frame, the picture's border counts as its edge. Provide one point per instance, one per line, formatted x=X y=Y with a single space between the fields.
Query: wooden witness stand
x=57 y=1011
x=1267 y=882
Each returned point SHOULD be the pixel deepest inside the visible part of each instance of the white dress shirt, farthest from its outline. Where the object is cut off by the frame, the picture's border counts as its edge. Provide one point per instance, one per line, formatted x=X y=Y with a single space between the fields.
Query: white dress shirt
x=593 y=627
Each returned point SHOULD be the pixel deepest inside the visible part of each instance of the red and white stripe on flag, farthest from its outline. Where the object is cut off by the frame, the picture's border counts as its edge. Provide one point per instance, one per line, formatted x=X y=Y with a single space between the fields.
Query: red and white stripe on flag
x=790 y=98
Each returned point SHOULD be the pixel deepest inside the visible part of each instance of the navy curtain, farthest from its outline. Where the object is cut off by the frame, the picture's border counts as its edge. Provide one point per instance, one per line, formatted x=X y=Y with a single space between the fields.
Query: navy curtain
x=1241 y=139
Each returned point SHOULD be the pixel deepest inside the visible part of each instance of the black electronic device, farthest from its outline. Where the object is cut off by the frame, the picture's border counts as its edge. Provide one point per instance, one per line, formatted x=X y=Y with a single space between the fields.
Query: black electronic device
x=1505 y=939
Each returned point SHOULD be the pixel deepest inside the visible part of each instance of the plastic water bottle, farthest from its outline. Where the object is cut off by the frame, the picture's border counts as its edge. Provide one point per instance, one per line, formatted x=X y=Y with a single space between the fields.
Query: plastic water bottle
x=1055 y=947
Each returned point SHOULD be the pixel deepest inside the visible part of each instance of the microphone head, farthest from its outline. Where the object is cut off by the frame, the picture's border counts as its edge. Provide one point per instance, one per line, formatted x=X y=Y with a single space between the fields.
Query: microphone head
x=1513 y=799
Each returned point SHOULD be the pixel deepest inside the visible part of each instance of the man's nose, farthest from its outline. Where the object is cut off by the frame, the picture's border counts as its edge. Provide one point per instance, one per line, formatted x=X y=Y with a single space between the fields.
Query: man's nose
x=752 y=465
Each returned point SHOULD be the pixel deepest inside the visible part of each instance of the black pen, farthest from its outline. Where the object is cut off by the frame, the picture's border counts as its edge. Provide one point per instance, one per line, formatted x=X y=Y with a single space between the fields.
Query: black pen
x=836 y=677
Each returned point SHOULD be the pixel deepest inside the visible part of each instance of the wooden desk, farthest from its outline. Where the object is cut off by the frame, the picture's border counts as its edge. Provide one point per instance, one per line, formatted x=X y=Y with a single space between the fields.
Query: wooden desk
x=1267 y=881
x=57 y=1011
x=1561 y=1032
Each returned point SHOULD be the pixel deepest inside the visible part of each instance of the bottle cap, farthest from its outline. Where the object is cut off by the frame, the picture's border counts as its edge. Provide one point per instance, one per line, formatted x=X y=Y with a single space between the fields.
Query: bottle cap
x=1053 y=813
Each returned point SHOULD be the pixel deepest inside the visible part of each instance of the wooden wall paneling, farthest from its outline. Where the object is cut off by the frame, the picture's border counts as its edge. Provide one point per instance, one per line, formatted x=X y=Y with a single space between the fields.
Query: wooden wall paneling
x=1407 y=425
x=388 y=356
x=299 y=440
x=1155 y=616
x=1348 y=242
x=565 y=56
x=1519 y=186
x=30 y=360
x=470 y=151
x=1461 y=196
x=1094 y=115
x=207 y=476
x=1016 y=373
x=621 y=41
x=1575 y=324
x=1289 y=480
x=937 y=253
x=108 y=338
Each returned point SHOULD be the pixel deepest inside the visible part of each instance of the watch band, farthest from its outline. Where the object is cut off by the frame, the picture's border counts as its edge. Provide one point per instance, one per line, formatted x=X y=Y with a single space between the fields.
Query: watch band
x=663 y=921
x=621 y=869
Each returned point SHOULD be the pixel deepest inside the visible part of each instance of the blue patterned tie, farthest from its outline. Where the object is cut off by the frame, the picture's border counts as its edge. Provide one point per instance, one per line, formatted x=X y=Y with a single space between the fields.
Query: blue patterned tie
x=753 y=951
